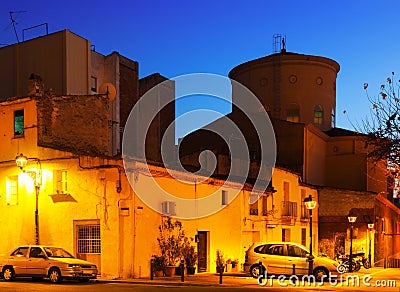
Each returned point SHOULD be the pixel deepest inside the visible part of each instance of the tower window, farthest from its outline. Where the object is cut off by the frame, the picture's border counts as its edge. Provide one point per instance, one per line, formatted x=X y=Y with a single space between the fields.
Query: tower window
x=333 y=120
x=318 y=115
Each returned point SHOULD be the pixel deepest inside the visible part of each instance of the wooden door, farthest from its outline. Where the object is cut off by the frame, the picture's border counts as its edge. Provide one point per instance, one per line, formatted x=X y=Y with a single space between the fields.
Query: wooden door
x=202 y=251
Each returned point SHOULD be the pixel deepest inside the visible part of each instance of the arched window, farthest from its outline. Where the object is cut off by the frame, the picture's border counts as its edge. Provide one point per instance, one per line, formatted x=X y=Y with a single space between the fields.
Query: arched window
x=293 y=113
x=333 y=119
x=318 y=115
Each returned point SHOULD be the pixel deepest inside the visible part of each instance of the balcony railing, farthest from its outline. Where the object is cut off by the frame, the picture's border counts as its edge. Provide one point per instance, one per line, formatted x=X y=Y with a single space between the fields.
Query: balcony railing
x=289 y=209
x=305 y=213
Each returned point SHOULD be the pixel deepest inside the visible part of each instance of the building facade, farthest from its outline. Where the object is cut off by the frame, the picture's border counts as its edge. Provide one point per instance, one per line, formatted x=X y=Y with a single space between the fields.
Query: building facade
x=87 y=205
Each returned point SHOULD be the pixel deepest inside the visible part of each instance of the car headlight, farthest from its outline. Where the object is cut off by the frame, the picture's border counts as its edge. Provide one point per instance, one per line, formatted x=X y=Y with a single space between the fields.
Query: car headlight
x=73 y=266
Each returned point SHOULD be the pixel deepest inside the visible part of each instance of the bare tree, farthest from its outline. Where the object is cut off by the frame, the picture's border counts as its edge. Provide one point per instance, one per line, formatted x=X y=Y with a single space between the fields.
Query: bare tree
x=382 y=127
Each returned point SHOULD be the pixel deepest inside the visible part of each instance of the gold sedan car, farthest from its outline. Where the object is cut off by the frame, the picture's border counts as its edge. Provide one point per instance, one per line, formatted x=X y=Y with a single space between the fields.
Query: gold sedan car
x=50 y=262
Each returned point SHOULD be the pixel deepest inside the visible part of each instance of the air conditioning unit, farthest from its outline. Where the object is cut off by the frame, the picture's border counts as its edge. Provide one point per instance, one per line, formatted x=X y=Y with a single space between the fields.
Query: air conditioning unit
x=168 y=208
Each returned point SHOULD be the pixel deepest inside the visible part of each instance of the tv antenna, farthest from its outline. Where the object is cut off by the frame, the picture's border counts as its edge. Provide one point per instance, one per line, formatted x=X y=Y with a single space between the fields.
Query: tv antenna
x=13 y=22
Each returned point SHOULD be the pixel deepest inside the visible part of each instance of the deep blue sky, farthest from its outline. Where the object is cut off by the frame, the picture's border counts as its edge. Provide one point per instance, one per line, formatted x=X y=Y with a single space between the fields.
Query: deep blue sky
x=213 y=36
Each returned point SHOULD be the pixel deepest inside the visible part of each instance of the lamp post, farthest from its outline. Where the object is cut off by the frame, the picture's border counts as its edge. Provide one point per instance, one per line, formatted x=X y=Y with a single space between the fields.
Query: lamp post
x=370 y=228
x=351 y=219
x=21 y=161
x=310 y=205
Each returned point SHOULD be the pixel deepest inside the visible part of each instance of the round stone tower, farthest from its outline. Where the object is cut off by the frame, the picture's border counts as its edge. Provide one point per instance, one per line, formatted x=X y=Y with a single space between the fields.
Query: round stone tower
x=293 y=87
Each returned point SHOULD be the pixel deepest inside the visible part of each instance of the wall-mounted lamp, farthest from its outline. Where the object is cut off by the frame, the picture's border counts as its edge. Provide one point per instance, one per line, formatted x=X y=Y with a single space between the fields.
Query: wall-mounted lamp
x=21 y=160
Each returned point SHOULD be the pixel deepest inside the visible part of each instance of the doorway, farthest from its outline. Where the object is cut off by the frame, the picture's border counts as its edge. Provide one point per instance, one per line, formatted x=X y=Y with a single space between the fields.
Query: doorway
x=202 y=250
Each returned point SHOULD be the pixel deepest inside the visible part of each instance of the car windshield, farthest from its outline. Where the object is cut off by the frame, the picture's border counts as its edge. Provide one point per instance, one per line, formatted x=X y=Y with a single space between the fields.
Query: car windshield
x=57 y=252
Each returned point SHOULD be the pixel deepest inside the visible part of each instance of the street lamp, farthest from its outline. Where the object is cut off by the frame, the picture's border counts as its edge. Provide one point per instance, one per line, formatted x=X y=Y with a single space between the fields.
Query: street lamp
x=21 y=161
x=370 y=228
x=351 y=219
x=310 y=205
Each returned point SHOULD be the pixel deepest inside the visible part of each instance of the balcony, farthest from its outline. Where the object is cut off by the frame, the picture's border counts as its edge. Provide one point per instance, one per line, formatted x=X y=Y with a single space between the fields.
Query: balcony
x=305 y=213
x=289 y=209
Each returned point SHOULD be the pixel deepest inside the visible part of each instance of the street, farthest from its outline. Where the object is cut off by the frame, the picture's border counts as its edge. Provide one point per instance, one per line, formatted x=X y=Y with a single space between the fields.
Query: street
x=375 y=279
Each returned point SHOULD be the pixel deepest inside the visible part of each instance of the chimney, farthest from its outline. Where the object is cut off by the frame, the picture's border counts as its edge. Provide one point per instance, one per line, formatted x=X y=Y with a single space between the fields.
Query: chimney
x=35 y=85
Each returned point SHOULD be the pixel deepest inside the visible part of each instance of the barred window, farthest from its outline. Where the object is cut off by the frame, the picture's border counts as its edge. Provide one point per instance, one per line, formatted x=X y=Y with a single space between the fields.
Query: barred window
x=89 y=239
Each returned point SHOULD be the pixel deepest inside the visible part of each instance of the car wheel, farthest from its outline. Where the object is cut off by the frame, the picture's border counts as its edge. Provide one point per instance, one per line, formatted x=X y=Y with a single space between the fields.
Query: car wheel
x=8 y=274
x=55 y=275
x=321 y=273
x=255 y=270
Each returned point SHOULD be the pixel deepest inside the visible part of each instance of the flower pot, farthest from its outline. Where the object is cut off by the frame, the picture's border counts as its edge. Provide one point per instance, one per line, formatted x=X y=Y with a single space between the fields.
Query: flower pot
x=191 y=270
x=178 y=270
x=169 y=271
x=158 y=273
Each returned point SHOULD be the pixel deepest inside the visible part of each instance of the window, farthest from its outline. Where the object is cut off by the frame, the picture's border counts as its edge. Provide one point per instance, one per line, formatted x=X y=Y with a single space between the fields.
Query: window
x=286 y=186
x=168 y=208
x=333 y=119
x=303 y=236
x=275 y=249
x=265 y=206
x=295 y=251
x=61 y=185
x=318 y=115
x=93 y=84
x=254 y=205
x=293 y=113
x=89 y=241
x=285 y=234
x=305 y=213
x=19 y=123
x=36 y=252
x=20 y=252
x=12 y=190
x=224 y=197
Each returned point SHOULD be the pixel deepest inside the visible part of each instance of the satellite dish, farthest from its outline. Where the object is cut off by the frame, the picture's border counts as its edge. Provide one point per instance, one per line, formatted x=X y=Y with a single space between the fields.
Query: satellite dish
x=108 y=89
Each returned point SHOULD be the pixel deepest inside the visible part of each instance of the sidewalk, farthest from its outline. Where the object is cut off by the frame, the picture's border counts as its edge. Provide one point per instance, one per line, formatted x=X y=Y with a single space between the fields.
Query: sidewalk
x=212 y=279
x=202 y=279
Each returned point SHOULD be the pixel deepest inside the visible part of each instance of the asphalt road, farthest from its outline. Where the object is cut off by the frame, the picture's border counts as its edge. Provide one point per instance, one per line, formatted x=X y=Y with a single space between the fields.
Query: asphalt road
x=380 y=280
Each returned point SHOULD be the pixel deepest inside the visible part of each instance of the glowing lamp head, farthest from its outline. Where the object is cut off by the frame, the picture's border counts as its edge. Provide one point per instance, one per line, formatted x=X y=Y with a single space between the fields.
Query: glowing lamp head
x=371 y=225
x=352 y=219
x=310 y=204
x=21 y=161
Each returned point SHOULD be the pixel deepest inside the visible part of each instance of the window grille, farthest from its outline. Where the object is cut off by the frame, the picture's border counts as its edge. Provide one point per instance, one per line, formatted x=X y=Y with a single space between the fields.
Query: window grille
x=89 y=240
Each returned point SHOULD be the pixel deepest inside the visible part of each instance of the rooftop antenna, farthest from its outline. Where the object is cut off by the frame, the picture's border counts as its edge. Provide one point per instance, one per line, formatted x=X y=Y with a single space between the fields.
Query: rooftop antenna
x=13 y=22
x=279 y=43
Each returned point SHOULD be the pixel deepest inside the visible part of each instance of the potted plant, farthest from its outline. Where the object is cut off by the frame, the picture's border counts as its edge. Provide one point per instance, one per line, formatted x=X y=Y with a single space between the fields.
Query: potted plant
x=190 y=255
x=158 y=265
x=235 y=265
x=170 y=242
x=220 y=262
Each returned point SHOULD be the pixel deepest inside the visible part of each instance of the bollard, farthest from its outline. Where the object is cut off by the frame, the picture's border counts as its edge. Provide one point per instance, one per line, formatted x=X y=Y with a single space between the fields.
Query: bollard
x=182 y=271
x=294 y=270
x=151 y=268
